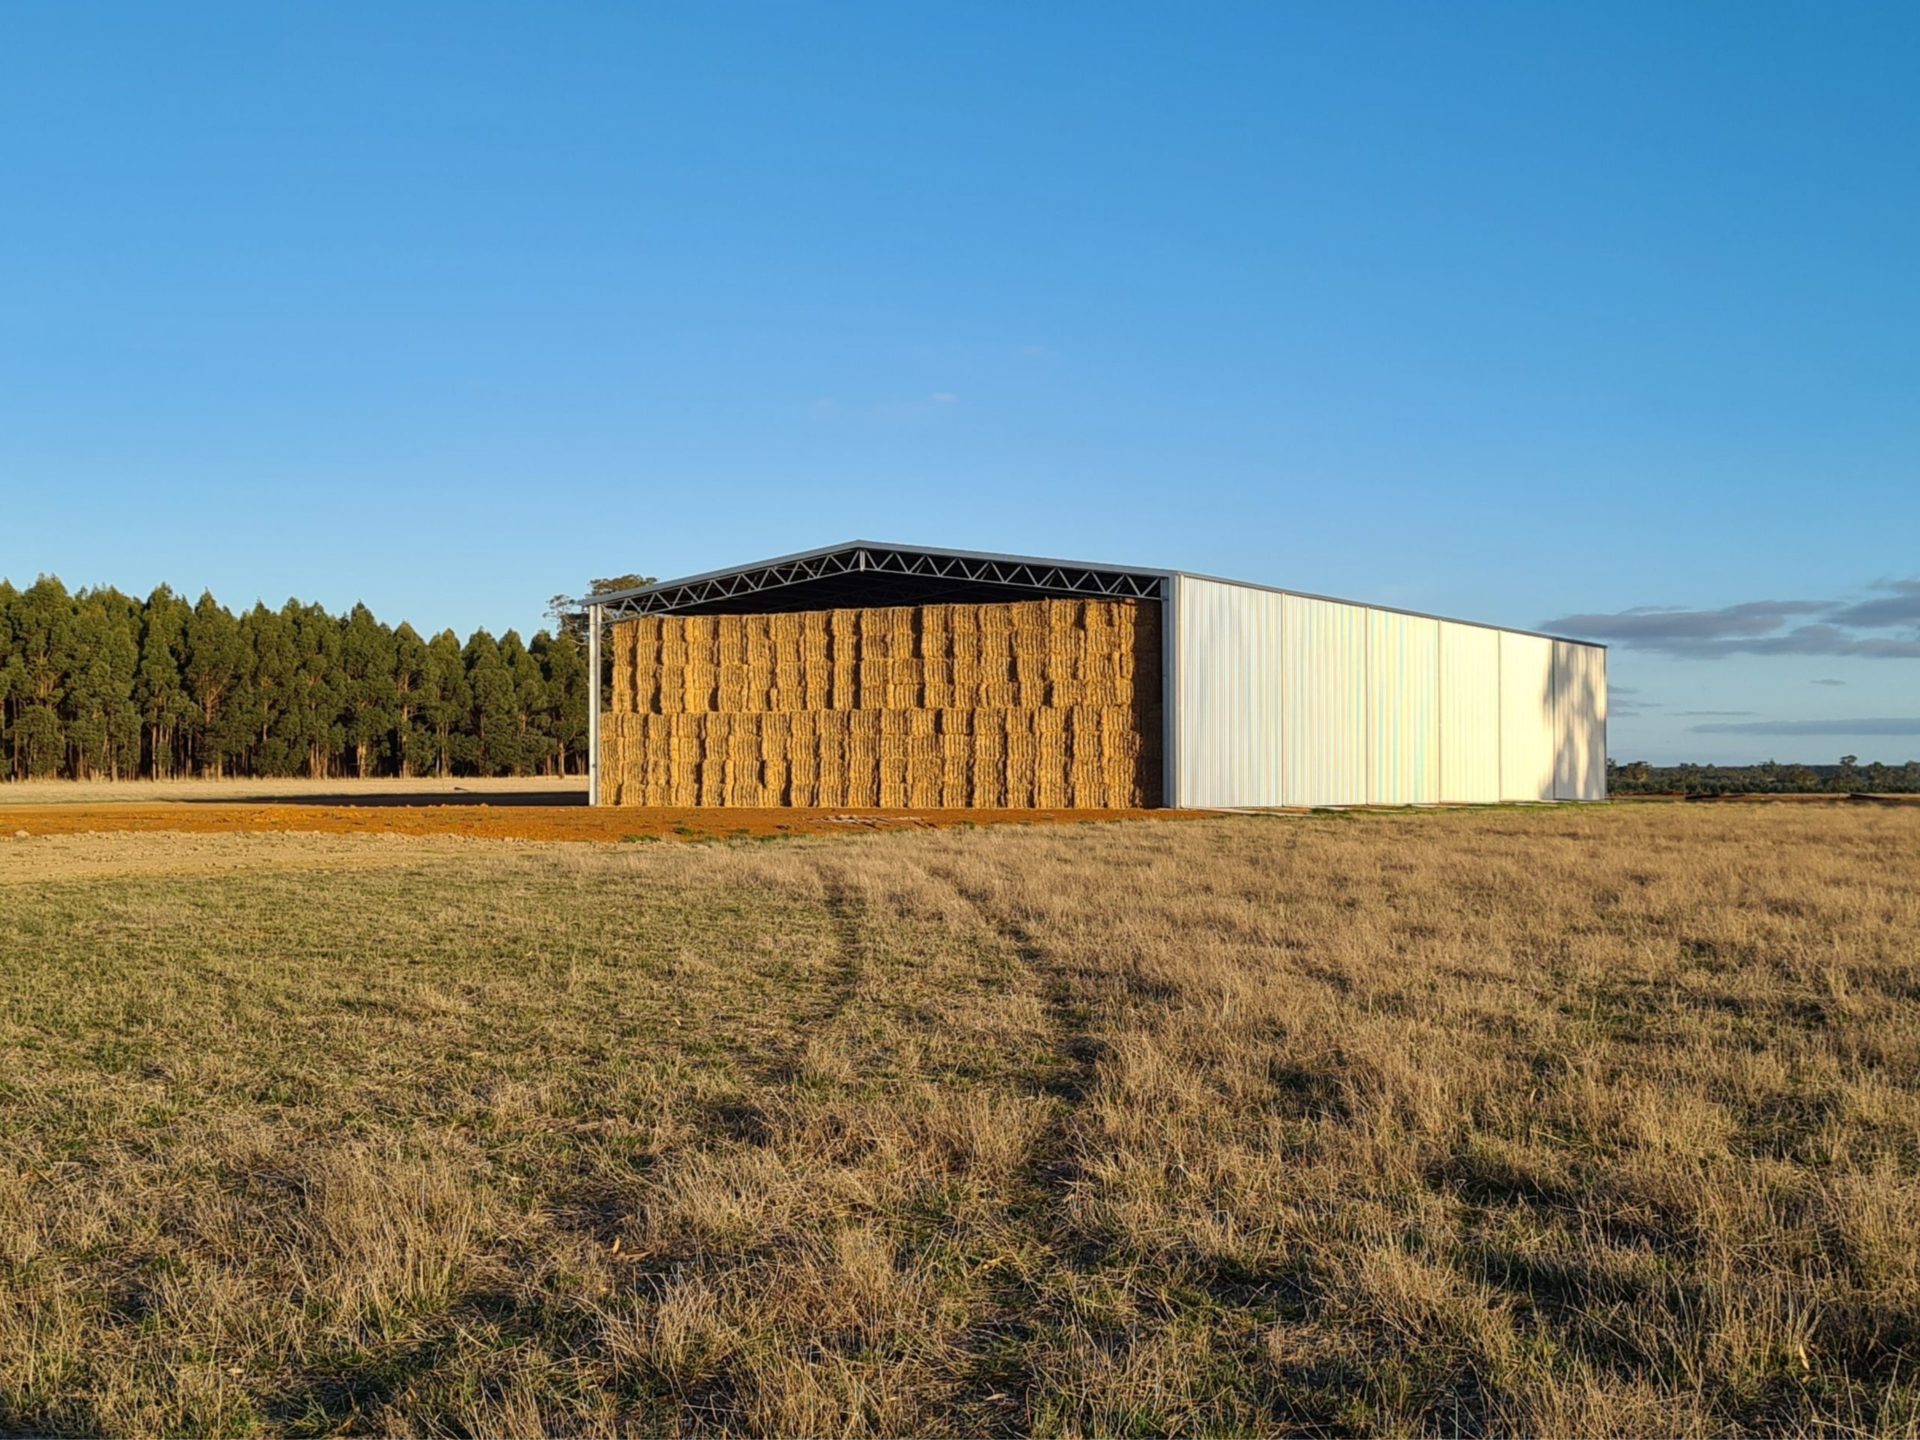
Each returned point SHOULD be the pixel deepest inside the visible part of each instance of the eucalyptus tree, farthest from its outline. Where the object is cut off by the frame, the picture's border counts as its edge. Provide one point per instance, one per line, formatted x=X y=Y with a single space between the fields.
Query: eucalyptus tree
x=216 y=664
x=409 y=741
x=270 y=691
x=159 y=691
x=12 y=670
x=493 y=731
x=532 y=735
x=43 y=624
x=447 y=702
x=319 y=687
x=563 y=662
x=369 y=698
x=101 y=722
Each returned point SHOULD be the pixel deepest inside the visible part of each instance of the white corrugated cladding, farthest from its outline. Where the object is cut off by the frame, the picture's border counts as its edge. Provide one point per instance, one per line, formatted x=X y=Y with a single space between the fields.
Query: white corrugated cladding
x=1526 y=717
x=1579 y=722
x=1469 y=714
x=1403 y=709
x=1324 y=702
x=1282 y=699
x=1226 y=730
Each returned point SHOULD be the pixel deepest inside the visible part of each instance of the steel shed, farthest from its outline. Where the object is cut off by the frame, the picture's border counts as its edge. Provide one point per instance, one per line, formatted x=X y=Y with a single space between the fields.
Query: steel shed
x=1272 y=697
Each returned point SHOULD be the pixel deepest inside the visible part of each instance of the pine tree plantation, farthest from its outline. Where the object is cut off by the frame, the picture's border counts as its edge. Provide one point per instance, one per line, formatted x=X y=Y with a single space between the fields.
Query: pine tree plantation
x=97 y=685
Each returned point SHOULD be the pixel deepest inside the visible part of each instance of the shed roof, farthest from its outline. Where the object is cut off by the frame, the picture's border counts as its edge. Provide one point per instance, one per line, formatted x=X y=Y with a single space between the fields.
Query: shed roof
x=869 y=572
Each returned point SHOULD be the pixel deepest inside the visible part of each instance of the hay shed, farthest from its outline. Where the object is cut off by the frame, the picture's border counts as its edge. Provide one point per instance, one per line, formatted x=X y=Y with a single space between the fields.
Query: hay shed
x=889 y=676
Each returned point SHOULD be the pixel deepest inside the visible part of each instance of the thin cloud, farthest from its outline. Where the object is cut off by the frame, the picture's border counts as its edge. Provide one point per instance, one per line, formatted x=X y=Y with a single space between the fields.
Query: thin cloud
x=1826 y=640
x=1901 y=607
x=1765 y=627
x=1880 y=726
x=1826 y=682
x=1650 y=625
x=1720 y=713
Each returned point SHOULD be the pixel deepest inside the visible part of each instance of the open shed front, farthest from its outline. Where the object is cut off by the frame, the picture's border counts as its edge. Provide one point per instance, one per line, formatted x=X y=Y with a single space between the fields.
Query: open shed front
x=1050 y=703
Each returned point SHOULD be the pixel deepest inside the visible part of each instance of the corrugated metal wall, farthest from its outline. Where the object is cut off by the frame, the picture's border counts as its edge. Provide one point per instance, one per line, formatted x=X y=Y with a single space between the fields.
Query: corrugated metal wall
x=1469 y=714
x=1227 y=696
x=1281 y=699
x=1403 y=709
x=1324 y=702
x=1526 y=717
x=1579 y=722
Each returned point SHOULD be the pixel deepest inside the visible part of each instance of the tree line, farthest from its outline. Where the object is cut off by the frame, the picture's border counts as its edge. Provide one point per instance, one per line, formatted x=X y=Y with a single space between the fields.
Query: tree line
x=1848 y=777
x=97 y=684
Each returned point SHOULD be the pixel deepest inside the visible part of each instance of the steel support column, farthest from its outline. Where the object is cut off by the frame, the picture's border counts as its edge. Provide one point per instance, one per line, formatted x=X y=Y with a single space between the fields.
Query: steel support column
x=594 y=615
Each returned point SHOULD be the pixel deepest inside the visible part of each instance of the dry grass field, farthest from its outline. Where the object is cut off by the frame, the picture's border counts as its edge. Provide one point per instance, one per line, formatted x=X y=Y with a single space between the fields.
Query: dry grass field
x=1598 y=1121
x=528 y=808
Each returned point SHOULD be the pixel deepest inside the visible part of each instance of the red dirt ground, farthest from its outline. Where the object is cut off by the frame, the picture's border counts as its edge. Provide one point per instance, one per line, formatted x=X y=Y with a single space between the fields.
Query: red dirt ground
x=513 y=822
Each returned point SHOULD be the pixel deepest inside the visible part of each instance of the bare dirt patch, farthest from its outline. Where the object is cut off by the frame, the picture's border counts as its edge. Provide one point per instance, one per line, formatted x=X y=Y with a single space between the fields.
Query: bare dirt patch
x=511 y=822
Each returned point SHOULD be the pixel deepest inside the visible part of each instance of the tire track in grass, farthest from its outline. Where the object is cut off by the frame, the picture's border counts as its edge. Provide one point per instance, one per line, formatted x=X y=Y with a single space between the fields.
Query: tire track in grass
x=1004 y=1380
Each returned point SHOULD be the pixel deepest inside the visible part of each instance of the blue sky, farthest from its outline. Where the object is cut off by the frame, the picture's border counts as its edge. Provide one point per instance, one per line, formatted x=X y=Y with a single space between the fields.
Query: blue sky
x=1510 y=312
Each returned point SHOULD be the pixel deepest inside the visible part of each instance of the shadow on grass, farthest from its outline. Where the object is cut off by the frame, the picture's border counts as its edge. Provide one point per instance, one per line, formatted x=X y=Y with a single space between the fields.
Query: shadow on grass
x=401 y=799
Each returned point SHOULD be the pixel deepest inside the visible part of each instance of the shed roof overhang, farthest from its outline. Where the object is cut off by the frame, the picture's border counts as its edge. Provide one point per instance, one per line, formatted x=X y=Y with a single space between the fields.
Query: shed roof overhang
x=866 y=573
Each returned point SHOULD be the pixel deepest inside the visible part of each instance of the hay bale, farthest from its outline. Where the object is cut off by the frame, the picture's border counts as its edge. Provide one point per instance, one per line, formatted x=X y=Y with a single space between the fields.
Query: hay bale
x=620 y=644
x=1086 y=772
x=895 y=791
x=861 y=783
x=1050 y=787
x=803 y=762
x=936 y=683
x=956 y=769
x=989 y=770
x=1022 y=760
x=934 y=632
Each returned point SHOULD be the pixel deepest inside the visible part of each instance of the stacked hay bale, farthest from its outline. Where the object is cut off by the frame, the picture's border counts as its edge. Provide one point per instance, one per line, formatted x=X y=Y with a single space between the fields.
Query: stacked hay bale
x=1039 y=703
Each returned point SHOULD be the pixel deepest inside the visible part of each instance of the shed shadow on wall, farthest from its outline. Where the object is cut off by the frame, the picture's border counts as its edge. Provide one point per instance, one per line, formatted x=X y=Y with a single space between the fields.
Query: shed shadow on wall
x=1576 y=704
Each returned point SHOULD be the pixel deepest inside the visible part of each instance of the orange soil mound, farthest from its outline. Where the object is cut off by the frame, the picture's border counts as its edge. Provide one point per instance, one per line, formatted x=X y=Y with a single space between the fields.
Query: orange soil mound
x=512 y=822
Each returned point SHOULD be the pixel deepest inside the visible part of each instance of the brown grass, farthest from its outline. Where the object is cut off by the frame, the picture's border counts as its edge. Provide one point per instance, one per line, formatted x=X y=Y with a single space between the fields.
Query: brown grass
x=517 y=822
x=1596 y=1121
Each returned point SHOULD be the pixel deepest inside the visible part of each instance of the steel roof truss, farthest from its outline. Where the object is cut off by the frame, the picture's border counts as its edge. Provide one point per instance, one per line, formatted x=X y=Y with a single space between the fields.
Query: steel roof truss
x=980 y=570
